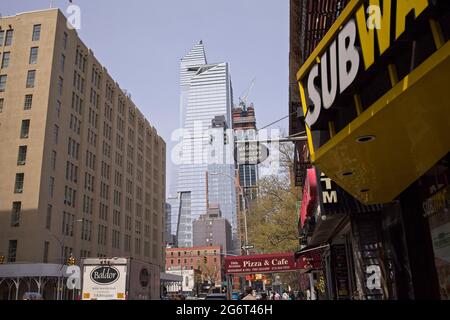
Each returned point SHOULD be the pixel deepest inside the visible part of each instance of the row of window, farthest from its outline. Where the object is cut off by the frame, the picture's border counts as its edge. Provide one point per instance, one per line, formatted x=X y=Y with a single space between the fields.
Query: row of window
x=16 y=214
x=105 y=170
x=77 y=103
x=68 y=218
x=6 y=37
x=31 y=79
x=104 y=191
x=89 y=181
x=71 y=172
x=93 y=118
x=78 y=81
x=86 y=232
x=88 y=205
x=73 y=147
x=192 y=253
x=33 y=57
x=185 y=261
x=75 y=124
x=80 y=60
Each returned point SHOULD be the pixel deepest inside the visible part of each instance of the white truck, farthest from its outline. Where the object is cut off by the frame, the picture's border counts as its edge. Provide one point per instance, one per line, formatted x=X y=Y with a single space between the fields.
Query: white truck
x=119 y=279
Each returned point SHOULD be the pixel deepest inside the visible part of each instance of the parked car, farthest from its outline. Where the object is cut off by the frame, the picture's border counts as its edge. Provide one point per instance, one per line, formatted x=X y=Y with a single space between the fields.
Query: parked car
x=201 y=296
x=216 y=296
x=235 y=296
x=32 y=296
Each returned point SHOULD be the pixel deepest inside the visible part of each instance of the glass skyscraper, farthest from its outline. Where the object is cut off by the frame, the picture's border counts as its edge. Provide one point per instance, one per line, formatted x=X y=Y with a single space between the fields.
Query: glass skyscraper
x=222 y=172
x=173 y=214
x=205 y=93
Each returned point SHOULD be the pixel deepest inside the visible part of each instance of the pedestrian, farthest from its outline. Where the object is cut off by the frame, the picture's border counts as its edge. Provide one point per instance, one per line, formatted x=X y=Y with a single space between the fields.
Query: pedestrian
x=300 y=295
x=291 y=295
x=249 y=294
x=308 y=294
x=264 y=296
x=285 y=296
x=277 y=296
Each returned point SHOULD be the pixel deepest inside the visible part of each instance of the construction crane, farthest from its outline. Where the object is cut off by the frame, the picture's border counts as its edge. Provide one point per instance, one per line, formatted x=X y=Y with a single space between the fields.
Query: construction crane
x=243 y=99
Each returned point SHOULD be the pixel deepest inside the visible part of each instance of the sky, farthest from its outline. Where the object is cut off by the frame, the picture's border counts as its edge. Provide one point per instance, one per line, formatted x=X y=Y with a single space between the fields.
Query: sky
x=141 y=43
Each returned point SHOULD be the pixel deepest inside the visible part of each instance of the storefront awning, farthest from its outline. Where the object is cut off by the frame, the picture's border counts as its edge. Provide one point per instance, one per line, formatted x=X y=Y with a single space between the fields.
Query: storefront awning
x=13 y=270
x=326 y=228
x=167 y=277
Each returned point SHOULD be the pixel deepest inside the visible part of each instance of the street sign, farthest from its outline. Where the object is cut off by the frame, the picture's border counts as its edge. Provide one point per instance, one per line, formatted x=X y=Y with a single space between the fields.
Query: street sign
x=248 y=247
x=251 y=152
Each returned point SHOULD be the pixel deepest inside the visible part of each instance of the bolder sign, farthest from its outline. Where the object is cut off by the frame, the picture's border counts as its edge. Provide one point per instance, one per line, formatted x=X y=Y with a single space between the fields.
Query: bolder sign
x=105 y=275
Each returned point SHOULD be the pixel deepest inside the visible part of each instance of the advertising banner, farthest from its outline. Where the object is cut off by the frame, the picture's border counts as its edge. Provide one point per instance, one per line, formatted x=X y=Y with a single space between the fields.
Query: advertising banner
x=310 y=261
x=104 y=282
x=264 y=263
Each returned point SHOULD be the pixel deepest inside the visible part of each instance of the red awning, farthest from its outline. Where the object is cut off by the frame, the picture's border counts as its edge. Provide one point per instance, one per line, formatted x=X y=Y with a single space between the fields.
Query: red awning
x=263 y=263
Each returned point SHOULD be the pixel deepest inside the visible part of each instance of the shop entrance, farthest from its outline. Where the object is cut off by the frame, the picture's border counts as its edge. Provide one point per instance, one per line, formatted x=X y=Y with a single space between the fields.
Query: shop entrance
x=262 y=265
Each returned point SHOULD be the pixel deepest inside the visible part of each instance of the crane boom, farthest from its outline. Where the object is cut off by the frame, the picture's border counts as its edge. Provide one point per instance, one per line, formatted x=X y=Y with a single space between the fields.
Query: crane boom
x=243 y=99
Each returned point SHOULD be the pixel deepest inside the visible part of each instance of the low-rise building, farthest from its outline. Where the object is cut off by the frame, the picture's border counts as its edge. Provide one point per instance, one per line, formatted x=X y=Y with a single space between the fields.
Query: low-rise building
x=206 y=259
x=212 y=229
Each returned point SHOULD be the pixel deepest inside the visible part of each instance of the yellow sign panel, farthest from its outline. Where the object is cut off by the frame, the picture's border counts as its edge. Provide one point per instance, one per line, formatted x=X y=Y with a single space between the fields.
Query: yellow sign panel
x=410 y=126
x=403 y=133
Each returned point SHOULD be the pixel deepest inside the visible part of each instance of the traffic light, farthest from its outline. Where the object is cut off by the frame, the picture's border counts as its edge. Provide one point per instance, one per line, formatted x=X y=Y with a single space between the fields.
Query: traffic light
x=205 y=260
x=71 y=261
x=2 y=259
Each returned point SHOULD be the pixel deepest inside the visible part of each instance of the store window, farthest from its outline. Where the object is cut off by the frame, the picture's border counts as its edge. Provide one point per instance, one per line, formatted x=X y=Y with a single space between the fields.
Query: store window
x=437 y=210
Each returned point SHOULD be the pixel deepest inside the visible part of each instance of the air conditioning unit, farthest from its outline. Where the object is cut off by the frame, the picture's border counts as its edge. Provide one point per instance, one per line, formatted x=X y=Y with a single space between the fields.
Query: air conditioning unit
x=21 y=163
x=19 y=190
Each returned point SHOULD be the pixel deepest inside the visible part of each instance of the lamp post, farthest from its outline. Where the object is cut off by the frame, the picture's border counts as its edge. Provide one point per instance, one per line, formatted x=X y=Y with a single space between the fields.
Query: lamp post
x=244 y=198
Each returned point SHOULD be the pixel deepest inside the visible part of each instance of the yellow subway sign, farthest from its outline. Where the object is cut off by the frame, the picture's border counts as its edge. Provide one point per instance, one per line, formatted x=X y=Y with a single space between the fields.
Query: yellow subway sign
x=338 y=66
x=379 y=21
x=375 y=96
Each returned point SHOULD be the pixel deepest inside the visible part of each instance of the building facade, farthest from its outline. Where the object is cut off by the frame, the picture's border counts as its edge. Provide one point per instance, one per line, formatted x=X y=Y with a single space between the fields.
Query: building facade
x=212 y=229
x=82 y=170
x=244 y=126
x=172 y=213
x=205 y=93
x=221 y=191
x=206 y=259
x=169 y=238
x=189 y=284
